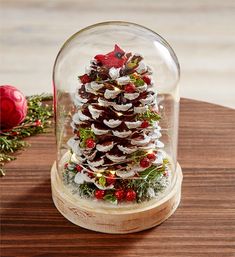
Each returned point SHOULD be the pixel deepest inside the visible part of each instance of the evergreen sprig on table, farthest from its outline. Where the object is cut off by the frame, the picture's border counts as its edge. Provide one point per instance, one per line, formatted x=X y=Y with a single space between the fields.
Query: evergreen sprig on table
x=37 y=121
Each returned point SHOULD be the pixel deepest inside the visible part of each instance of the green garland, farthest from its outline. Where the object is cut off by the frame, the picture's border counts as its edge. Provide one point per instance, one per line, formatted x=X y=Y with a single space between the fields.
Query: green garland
x=152 y=180
x=37 y=121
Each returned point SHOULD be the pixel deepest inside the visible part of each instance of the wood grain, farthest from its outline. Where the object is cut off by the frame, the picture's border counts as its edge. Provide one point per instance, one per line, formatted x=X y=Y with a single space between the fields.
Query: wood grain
x=203 y=225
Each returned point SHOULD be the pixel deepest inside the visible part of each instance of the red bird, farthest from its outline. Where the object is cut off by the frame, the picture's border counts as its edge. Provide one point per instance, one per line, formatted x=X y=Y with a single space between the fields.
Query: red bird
x=115 y=59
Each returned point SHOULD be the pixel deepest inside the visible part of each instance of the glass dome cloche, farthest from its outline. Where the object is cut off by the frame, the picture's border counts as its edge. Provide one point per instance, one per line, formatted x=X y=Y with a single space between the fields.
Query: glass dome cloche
x=116 y=107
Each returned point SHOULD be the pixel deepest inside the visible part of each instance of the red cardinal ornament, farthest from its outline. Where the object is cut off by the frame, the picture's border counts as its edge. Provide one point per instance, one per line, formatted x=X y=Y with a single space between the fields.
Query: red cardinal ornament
x=115 y=59
x=13 y=107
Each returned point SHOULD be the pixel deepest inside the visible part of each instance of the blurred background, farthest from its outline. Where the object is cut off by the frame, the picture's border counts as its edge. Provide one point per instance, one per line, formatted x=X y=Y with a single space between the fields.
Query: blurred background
x=202 y=33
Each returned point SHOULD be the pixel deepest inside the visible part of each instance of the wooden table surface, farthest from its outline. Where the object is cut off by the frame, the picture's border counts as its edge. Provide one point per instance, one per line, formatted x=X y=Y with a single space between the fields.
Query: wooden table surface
x=203 y=225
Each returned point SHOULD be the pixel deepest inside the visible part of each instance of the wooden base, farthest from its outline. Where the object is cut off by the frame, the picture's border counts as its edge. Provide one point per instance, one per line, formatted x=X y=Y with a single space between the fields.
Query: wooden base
x=120 y=219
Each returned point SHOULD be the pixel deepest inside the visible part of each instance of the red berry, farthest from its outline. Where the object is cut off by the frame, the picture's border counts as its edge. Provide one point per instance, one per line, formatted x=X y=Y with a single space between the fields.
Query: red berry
x=119 y=194
x=130 y=195
x=145 y=124
x=99 y=194
x=14 y=133
x=90 y=143
x=85 y=79
x=147 y=80
x=79 y=168
x=91 y=174
x=145 y=162
x=66 y=165
x=111 y=179
x=38 y=123
x=151 y=156
x=130 y=88
x=166 y=174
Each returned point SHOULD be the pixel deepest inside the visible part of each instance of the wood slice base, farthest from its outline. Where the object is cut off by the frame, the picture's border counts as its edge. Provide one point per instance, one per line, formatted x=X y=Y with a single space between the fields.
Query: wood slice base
x=118 y=219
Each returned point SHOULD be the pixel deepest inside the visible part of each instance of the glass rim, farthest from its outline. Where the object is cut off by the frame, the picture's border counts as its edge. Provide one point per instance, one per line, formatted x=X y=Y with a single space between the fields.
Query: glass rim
x=121 y=23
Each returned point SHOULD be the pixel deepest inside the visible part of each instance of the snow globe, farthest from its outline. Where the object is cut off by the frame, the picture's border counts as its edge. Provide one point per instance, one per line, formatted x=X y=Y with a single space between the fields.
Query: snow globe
x=116 y=109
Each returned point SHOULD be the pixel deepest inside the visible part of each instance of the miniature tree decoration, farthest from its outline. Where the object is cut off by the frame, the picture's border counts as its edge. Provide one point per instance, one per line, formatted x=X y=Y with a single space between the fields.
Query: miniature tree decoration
x=116 y=154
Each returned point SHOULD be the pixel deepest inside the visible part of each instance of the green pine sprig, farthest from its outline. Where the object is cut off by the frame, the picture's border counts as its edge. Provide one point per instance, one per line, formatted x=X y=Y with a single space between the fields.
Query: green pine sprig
x=151 y=179
x=86 y=190
x=11 y=145
x=37 y=121
x=137 y=80
x=152 y=172
x=138 y=155
x=149 y=116
x=110 y=198
x=86 y=133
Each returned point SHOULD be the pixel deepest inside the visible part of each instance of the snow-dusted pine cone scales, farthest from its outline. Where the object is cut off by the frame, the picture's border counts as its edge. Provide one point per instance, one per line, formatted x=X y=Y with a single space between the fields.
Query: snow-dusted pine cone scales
x=116 y=124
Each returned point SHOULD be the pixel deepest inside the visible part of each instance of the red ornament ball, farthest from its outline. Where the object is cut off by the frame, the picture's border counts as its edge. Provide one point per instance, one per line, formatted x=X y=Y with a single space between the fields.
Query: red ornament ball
x=130 y=195
x=90 y=143
x=13 y=107
x=99 y=194
x=145 y=162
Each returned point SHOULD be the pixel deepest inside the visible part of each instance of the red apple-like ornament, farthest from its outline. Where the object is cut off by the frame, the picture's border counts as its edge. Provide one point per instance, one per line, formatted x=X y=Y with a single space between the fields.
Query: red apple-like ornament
x=13 y=107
